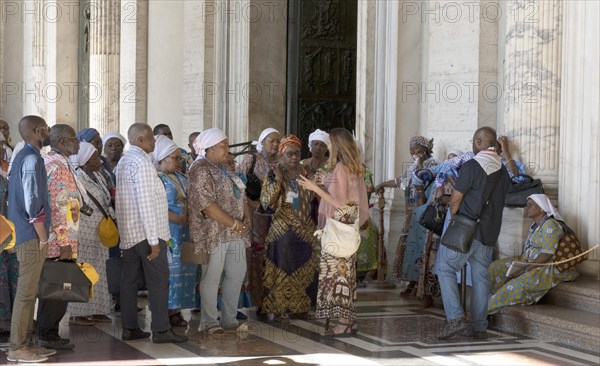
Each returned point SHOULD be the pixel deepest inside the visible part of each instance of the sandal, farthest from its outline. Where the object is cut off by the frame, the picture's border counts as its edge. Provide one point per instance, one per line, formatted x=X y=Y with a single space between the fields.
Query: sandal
x=215 y=330
x=241 y=327
x=177 y=320
x=100 y=318
x=348 y=330
x=409 y=291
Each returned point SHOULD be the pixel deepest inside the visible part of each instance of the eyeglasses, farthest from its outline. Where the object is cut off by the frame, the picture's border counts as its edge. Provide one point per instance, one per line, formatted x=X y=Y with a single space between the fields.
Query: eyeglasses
x=291 y=154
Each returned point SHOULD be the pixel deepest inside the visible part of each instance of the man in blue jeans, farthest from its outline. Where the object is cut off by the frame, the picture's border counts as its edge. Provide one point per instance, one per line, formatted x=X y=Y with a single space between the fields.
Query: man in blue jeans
x=479 y=194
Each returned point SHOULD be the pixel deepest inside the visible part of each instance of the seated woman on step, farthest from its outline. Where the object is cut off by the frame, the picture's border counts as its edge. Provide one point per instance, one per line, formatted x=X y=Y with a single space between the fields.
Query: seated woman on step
x=528 y=285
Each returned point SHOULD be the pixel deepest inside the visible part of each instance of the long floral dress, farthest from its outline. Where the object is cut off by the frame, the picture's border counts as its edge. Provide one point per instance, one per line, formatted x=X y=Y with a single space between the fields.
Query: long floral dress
x=91 y=249
x=532 y=285
x=336 y=296
x=182 y=278
x=292 y=251
x=255 y=254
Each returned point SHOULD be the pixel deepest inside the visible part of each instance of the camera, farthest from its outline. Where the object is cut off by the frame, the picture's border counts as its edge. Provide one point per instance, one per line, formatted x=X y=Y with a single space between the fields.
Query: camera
x=86 y=210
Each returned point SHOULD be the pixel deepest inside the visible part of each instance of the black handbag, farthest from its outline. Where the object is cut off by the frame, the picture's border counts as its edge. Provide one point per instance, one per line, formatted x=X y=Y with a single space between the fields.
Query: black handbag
x=433 y=219
x=518 y=192
x=64 y=281
x=459 y=233
x=253 y=184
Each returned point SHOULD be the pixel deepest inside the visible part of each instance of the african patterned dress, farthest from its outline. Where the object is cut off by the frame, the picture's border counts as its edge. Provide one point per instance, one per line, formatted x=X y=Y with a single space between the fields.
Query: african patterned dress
x=336 y=295
x=291 y=249
x=413 y=235
x=90 y=248
x=182 y=278
x=9 y=267
x=255 y=255
x=366 y=255
x=532 y=285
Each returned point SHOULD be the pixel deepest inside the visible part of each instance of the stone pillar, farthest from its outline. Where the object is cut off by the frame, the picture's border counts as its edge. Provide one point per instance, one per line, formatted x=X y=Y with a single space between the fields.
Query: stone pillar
x=532 y=77
x=34 y=59
x=104 y=50
x=2 y=89
x=579 y=187
x=133 y=94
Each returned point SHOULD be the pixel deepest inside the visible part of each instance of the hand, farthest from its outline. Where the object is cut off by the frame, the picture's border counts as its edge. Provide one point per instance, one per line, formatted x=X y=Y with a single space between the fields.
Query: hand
x=155 y=250
x=503 y=140
x=307 y=184
x=66 y=252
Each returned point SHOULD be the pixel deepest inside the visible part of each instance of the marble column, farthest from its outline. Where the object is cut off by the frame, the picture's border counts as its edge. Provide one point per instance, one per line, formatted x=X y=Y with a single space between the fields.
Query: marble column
x=133 y=94
x=532 y=85
x=34 y=60
x=2 y=66
x=104 y=49
x=579 y=184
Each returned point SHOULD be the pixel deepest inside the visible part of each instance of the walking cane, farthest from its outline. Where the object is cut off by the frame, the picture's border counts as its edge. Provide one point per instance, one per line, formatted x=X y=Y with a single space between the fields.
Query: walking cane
x=381 y=283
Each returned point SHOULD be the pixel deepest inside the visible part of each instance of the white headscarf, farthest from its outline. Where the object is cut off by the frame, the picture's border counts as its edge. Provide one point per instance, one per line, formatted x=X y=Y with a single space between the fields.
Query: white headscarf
x=263 y=135
x=206 y=139
x=164 y=147
x=109 y=135
x=86 y=150
x=318 y=135
x=546 y=205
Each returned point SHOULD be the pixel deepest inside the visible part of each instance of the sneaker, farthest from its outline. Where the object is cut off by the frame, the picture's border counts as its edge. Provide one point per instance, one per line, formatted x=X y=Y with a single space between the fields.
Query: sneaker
x=55 y=344
x=41 y=351
x=168 y=336
x=25 y=355
x=453 y=327
x=134 y=334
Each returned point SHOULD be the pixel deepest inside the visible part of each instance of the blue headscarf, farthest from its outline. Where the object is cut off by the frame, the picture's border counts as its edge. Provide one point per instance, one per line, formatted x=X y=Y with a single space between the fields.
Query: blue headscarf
x=87 y=134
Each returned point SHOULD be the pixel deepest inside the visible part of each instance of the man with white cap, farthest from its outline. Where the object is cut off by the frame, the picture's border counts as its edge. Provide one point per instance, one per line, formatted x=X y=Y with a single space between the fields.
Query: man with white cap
x=142 y=214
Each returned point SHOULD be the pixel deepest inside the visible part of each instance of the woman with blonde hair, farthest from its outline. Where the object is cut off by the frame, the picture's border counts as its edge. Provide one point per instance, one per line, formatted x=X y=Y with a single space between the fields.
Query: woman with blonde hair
x=337 y=276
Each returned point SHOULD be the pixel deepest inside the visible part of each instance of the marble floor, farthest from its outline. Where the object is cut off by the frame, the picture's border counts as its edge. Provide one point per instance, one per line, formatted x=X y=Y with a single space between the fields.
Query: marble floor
x=393 y=331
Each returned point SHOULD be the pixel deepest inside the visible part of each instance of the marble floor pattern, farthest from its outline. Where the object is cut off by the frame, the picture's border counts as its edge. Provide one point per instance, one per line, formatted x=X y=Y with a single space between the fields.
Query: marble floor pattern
x=393 y=331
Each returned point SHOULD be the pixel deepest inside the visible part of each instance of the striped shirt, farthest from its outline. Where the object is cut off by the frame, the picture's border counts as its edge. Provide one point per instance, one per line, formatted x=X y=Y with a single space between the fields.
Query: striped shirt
x=141 y=200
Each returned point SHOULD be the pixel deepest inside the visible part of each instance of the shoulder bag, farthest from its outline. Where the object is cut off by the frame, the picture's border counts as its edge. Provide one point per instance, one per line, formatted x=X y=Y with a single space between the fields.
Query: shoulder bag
x=64 y=281
x=461 y=229
x=107 y=228
x=253 y=184
x=519 y=191
x=568 y=247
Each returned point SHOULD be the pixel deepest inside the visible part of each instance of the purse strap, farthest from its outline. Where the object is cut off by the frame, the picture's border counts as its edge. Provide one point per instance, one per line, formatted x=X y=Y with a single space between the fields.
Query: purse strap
x=251 y=171
x=487 y=201
x=97 y=203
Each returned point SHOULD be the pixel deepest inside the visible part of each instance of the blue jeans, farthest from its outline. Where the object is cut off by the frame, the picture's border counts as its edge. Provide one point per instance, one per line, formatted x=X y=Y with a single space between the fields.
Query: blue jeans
x=447 y=263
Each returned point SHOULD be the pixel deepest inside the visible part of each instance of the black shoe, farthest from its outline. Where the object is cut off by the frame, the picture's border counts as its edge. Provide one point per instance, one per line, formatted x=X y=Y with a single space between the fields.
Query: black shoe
x=168 y=337
x=241 y=316
x=134 y=334
x=55 y=344
x=453 y=327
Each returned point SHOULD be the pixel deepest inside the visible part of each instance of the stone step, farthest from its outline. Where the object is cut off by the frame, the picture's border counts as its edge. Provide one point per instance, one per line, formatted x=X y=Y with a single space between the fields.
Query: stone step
x=552 y=323
x=583 y=294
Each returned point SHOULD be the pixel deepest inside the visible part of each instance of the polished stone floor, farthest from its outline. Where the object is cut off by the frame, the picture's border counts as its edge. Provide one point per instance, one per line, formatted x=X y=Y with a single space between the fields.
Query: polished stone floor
x=393 y=331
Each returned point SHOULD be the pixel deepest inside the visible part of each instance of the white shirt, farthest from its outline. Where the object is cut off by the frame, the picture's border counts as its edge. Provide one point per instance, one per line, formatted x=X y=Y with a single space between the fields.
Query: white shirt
x=141 y=200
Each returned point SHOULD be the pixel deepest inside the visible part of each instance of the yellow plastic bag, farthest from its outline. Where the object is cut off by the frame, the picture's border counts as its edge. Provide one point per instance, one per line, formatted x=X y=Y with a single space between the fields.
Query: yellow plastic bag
x=90 y=272
x=8 y=236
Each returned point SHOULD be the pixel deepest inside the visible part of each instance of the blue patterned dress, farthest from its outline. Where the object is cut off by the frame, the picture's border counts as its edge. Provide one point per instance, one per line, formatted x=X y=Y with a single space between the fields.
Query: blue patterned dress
x=532 y=285
x=182 y=279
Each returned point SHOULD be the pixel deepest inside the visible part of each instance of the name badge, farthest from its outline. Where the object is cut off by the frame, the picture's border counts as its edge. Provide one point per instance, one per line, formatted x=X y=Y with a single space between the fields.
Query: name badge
x=292 y=197
x=238 y=182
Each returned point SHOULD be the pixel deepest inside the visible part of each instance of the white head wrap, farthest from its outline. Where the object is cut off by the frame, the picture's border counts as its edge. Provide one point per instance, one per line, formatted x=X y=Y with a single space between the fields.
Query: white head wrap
x=164 y=147
x=206 y=139
x=456 y=152
x=546 y=205
x=318 y=135
x=86 y=150
x=109 y=135
x=263 y=135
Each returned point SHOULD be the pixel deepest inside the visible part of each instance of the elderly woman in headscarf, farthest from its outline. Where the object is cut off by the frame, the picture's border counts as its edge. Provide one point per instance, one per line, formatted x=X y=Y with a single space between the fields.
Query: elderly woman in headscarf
x=529 y=284
x=182 y=277
x=260 y=163
x=219 y=225
x=113 y=144
x=90 y=248
x=292 y=251
x=92 y=136
x=413 y=236
x=318 y=163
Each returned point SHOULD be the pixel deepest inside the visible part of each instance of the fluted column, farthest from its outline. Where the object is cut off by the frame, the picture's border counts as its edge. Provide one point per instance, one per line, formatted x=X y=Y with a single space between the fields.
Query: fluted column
x=104 y=49
x=579 y=188
x=532 y=77
x=133 y=96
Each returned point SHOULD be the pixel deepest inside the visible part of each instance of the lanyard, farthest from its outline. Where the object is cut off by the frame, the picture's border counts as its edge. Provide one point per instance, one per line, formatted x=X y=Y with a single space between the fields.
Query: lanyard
x=293 y=183
x=238 y=185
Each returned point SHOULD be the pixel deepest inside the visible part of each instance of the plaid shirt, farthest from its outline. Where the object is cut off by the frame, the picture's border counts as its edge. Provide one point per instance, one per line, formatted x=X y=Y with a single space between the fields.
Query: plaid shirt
x=141 y=200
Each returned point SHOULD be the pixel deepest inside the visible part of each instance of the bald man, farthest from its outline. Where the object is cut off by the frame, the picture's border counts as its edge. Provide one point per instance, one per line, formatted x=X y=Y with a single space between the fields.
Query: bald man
x=30 y=212
x=479 y=194
x=142 y=214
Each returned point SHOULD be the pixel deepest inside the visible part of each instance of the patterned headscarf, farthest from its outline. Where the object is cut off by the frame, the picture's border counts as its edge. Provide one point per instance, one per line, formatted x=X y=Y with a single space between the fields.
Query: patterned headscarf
x=289 y=140
x=420 y=140
x=87 y=134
